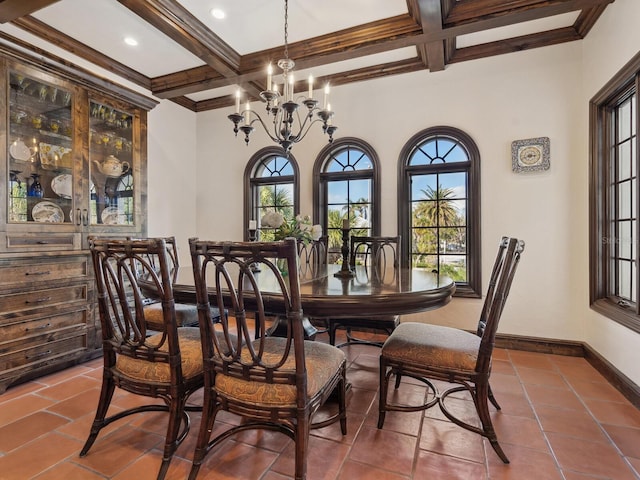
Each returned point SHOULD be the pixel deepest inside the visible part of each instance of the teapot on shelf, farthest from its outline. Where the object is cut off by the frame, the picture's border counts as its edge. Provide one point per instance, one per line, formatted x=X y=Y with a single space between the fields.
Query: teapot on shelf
x=112 y=167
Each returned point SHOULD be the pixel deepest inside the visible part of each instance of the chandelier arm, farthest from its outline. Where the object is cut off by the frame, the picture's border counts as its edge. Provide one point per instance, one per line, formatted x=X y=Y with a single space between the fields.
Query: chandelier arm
x=264 y=126
x=302 y=134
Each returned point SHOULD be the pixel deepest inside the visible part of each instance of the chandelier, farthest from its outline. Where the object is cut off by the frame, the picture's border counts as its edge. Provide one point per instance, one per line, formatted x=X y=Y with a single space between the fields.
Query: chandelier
x=288 y=125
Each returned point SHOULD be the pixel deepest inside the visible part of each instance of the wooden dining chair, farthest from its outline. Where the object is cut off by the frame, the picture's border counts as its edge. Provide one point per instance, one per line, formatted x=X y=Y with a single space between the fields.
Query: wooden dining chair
x=432 y=352
x=274 y=383
x=381 y=257
x=166 y=364
x=186 y=314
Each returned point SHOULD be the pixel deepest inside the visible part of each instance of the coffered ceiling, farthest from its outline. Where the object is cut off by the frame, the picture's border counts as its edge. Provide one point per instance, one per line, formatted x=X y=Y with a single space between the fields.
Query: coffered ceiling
x=186 y=55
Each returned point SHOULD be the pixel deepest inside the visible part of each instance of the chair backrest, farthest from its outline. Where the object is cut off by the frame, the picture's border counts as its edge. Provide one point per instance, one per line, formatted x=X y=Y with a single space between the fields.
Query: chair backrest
x=312 y=254
x=504 y=269
x=118 y=266
x=227 y=270
x=380 y=254
x=172 y=256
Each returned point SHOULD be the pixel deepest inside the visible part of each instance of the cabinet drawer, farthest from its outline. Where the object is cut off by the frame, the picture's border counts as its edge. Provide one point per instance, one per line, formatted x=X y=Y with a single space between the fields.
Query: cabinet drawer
x=41 y=327
x=14 y=242
x=44 y=271
x=38 y=355
x=19 y=302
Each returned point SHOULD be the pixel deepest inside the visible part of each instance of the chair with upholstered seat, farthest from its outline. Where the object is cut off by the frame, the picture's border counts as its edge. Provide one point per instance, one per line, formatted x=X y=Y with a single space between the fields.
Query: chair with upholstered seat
x=274 y=383
x=186 y=314
x=166 y=364
x=431 y=352
x=380 y=256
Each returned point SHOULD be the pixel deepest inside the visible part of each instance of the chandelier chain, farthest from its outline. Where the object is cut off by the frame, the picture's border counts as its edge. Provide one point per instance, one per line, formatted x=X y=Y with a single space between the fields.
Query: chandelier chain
x=286 y=29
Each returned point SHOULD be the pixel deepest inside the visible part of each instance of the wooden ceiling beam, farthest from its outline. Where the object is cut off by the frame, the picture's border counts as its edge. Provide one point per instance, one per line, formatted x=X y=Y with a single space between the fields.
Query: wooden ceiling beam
x=39 y=29
x=477 y=10
x=587 y=19
x=430 y=17
x=13 y=9
x=176 y=22
x=516 y=44
x=358 y=75
x=315 y=52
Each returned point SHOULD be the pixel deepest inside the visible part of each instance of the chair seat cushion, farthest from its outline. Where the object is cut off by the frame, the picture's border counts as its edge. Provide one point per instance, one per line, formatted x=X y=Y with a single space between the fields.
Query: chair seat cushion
x=424 y=344
x=145 y=370
x=186 y=315
x=323 y=361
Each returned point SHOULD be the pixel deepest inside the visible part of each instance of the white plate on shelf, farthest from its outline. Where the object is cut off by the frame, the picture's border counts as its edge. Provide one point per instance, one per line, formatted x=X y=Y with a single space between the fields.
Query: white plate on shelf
x=62 y=185
x=110 y=216
x=47 y=212
x=20 y=151
x=51 y=156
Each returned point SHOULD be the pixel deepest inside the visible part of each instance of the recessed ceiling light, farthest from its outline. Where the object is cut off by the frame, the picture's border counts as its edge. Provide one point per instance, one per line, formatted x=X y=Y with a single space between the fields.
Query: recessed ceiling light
x=217 y=13
x=130 y=41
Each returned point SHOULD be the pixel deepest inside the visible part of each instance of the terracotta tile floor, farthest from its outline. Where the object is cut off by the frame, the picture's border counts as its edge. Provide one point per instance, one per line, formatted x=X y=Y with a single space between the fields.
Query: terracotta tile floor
x=560 y=420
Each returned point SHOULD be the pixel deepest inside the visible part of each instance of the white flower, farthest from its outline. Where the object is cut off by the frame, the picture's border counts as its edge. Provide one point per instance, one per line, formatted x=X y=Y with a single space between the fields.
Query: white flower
x=272 y=220
x=316 y=232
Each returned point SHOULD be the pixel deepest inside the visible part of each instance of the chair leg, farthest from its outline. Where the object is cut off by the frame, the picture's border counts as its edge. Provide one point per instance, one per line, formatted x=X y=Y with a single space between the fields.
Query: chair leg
x=384 y=386
x=493 y=400
x=482 y=406
x=342 y=402
x=332 y=332
x=176 y=415
x=302 y=446
x=206 y=427
x=106 y=394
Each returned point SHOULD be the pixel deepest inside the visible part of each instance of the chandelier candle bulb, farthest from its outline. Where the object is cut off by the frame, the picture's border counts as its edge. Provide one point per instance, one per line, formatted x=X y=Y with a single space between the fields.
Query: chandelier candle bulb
x=269 y=73
x=247 y=114
x=310 y=86
x=237 y=101
x=326 y=95
x=292 y=83
x=252 y=225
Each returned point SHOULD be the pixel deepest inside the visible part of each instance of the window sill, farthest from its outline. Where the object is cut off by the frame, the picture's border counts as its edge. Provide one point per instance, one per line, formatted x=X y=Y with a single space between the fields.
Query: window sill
x=624 y=316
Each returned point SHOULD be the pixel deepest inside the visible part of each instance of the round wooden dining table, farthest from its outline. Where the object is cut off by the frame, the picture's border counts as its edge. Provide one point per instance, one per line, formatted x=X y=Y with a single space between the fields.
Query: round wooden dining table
x=326 y=296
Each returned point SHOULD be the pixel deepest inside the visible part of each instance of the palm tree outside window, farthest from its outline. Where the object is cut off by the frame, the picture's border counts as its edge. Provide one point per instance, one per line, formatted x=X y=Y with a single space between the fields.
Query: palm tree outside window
x=439 y=199
x=271 y=184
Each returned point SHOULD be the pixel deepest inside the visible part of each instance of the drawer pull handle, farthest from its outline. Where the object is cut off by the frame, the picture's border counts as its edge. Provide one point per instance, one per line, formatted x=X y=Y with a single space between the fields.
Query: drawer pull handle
x=42 y=242
x=44 y=272
x=39 y=327
x=37 y=355
x=39 y=300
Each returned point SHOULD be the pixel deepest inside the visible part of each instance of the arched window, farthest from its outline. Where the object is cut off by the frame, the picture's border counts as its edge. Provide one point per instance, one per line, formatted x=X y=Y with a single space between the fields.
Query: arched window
x=439 y=206
x=271 y=184
x=346 y=186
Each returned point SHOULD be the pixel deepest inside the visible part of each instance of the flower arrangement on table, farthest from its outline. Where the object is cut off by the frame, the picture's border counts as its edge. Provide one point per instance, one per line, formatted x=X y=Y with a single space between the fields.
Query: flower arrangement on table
x=299 y=227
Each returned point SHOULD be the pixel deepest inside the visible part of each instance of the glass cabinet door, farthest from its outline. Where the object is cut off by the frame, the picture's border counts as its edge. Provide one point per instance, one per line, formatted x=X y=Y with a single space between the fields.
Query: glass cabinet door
x=41 y=173
x=111 y=166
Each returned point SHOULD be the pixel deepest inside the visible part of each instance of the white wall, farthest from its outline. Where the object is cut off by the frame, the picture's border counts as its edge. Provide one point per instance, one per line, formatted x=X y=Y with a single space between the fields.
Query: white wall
x=172 y=172
x=611 y=44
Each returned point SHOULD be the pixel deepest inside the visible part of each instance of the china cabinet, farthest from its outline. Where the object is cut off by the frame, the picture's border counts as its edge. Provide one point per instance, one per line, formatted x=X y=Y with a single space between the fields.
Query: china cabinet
x=75 y=166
